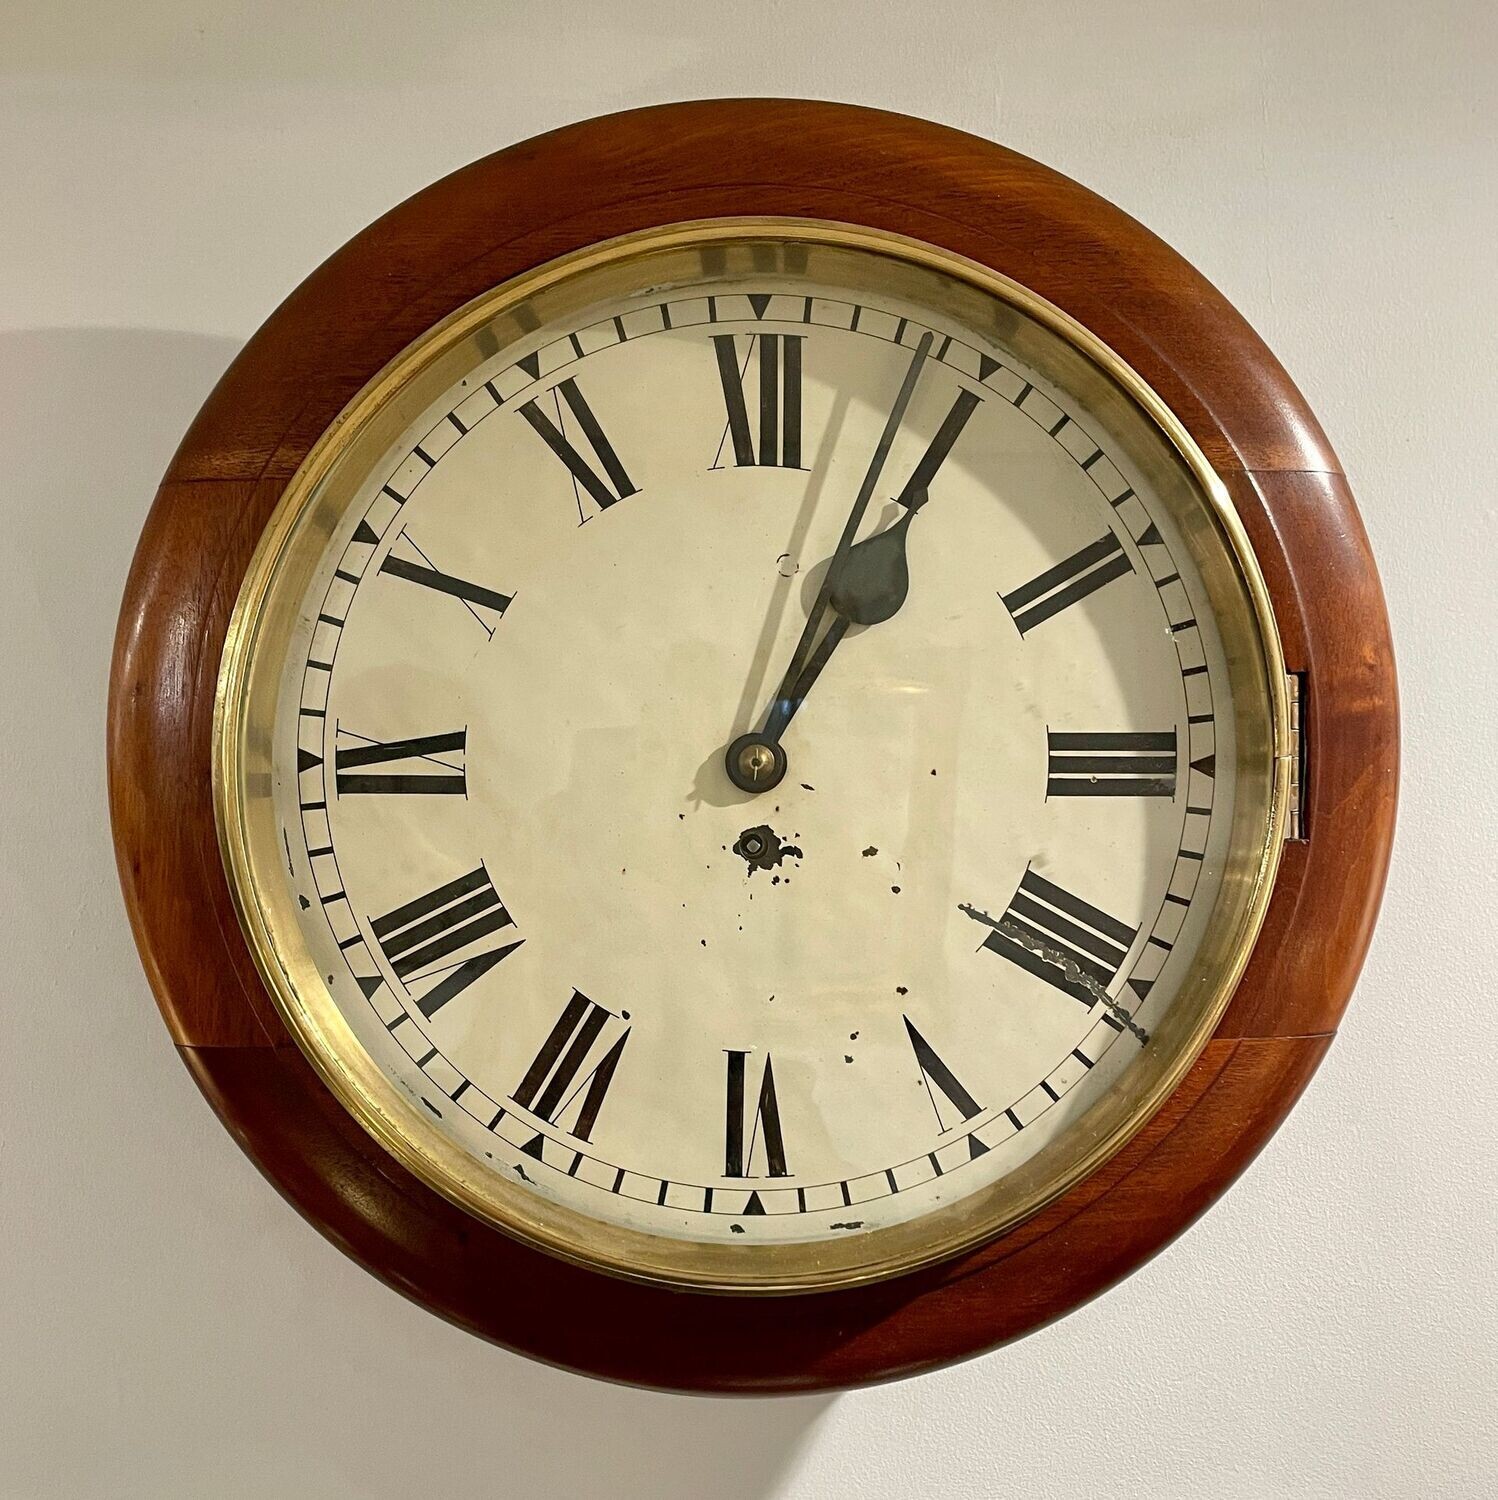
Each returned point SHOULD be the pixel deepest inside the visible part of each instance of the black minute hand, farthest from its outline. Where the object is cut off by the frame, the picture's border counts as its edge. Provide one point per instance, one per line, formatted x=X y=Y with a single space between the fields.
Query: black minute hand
x=799 y=675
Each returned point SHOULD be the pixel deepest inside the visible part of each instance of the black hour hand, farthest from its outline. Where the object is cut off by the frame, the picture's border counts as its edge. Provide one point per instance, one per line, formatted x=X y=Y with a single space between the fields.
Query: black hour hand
x=868 y=586
x=872 y=581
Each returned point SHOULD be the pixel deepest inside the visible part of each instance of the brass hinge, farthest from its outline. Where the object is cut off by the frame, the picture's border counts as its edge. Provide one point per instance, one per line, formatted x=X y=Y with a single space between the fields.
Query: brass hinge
x=1295 y=823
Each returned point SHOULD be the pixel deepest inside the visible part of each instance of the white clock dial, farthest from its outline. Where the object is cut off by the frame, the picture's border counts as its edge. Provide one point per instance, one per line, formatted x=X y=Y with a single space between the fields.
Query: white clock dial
x=694 y=872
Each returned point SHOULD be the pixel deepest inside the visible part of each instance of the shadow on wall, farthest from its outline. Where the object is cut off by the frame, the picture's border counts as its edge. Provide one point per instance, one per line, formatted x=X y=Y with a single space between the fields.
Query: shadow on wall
x=89 y=419
x=171 y=1326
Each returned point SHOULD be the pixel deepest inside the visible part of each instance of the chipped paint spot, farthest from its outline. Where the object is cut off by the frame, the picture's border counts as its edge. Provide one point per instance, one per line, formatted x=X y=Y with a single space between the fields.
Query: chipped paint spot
x=761 y=848
x=1063 y=961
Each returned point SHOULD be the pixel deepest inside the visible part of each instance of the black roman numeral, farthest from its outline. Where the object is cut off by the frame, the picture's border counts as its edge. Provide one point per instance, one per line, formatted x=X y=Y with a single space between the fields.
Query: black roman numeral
x=778 y=378
x=1059 y=938
x=743 y=1134
x=935 y=1072
x=448 y=780
x=1111 y=765
x=1058 y=588
x=555 y=1078
x=480 y=602
x=614 y=484
x=420 y=937
x=916 y=491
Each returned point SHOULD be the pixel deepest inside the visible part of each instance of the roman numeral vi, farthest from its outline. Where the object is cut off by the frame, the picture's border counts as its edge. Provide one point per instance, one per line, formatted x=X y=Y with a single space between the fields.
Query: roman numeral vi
x=745 y=1131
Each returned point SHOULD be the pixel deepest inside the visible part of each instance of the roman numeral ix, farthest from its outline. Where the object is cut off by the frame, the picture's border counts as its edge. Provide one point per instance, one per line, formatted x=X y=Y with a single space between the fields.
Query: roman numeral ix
x=432 y=939
x=1059 y=938
x=744 y=1131
x=555 y=1077
x=1069 y=582
x=774 y=439
x=447 y=779
x=1110 y=765
x=607 y=488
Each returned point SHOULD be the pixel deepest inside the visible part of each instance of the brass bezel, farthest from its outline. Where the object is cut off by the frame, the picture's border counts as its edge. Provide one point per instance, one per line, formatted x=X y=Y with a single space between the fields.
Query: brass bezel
x=243 y=718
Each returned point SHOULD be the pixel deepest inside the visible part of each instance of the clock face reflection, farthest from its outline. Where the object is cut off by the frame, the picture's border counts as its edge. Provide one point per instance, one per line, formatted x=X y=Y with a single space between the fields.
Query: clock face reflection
x=748 y=760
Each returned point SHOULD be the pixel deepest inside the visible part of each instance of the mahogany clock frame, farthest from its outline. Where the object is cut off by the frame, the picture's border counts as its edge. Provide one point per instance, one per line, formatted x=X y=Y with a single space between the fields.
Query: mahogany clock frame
x=507 y=214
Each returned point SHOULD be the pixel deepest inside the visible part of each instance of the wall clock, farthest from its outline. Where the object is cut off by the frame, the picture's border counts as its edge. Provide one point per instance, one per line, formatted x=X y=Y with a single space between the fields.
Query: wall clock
x=753 y=746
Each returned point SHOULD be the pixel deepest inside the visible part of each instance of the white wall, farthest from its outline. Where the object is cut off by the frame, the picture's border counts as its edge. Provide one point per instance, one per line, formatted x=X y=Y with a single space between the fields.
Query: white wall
x=168 y=1327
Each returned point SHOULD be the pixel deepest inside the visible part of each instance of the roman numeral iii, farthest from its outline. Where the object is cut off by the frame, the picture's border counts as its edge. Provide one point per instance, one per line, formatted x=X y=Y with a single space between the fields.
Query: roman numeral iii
x=772 y=438
x=1068 y=583
x=606 y=488
x=1060 y=938
x=431 y=942
x=431 y=765
x=744 y=1132
x=1110 y=765
x=555 y=1077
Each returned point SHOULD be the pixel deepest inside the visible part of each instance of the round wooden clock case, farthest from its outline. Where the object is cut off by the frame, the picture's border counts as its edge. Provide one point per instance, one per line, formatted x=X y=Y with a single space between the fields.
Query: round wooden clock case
x=517 y=210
